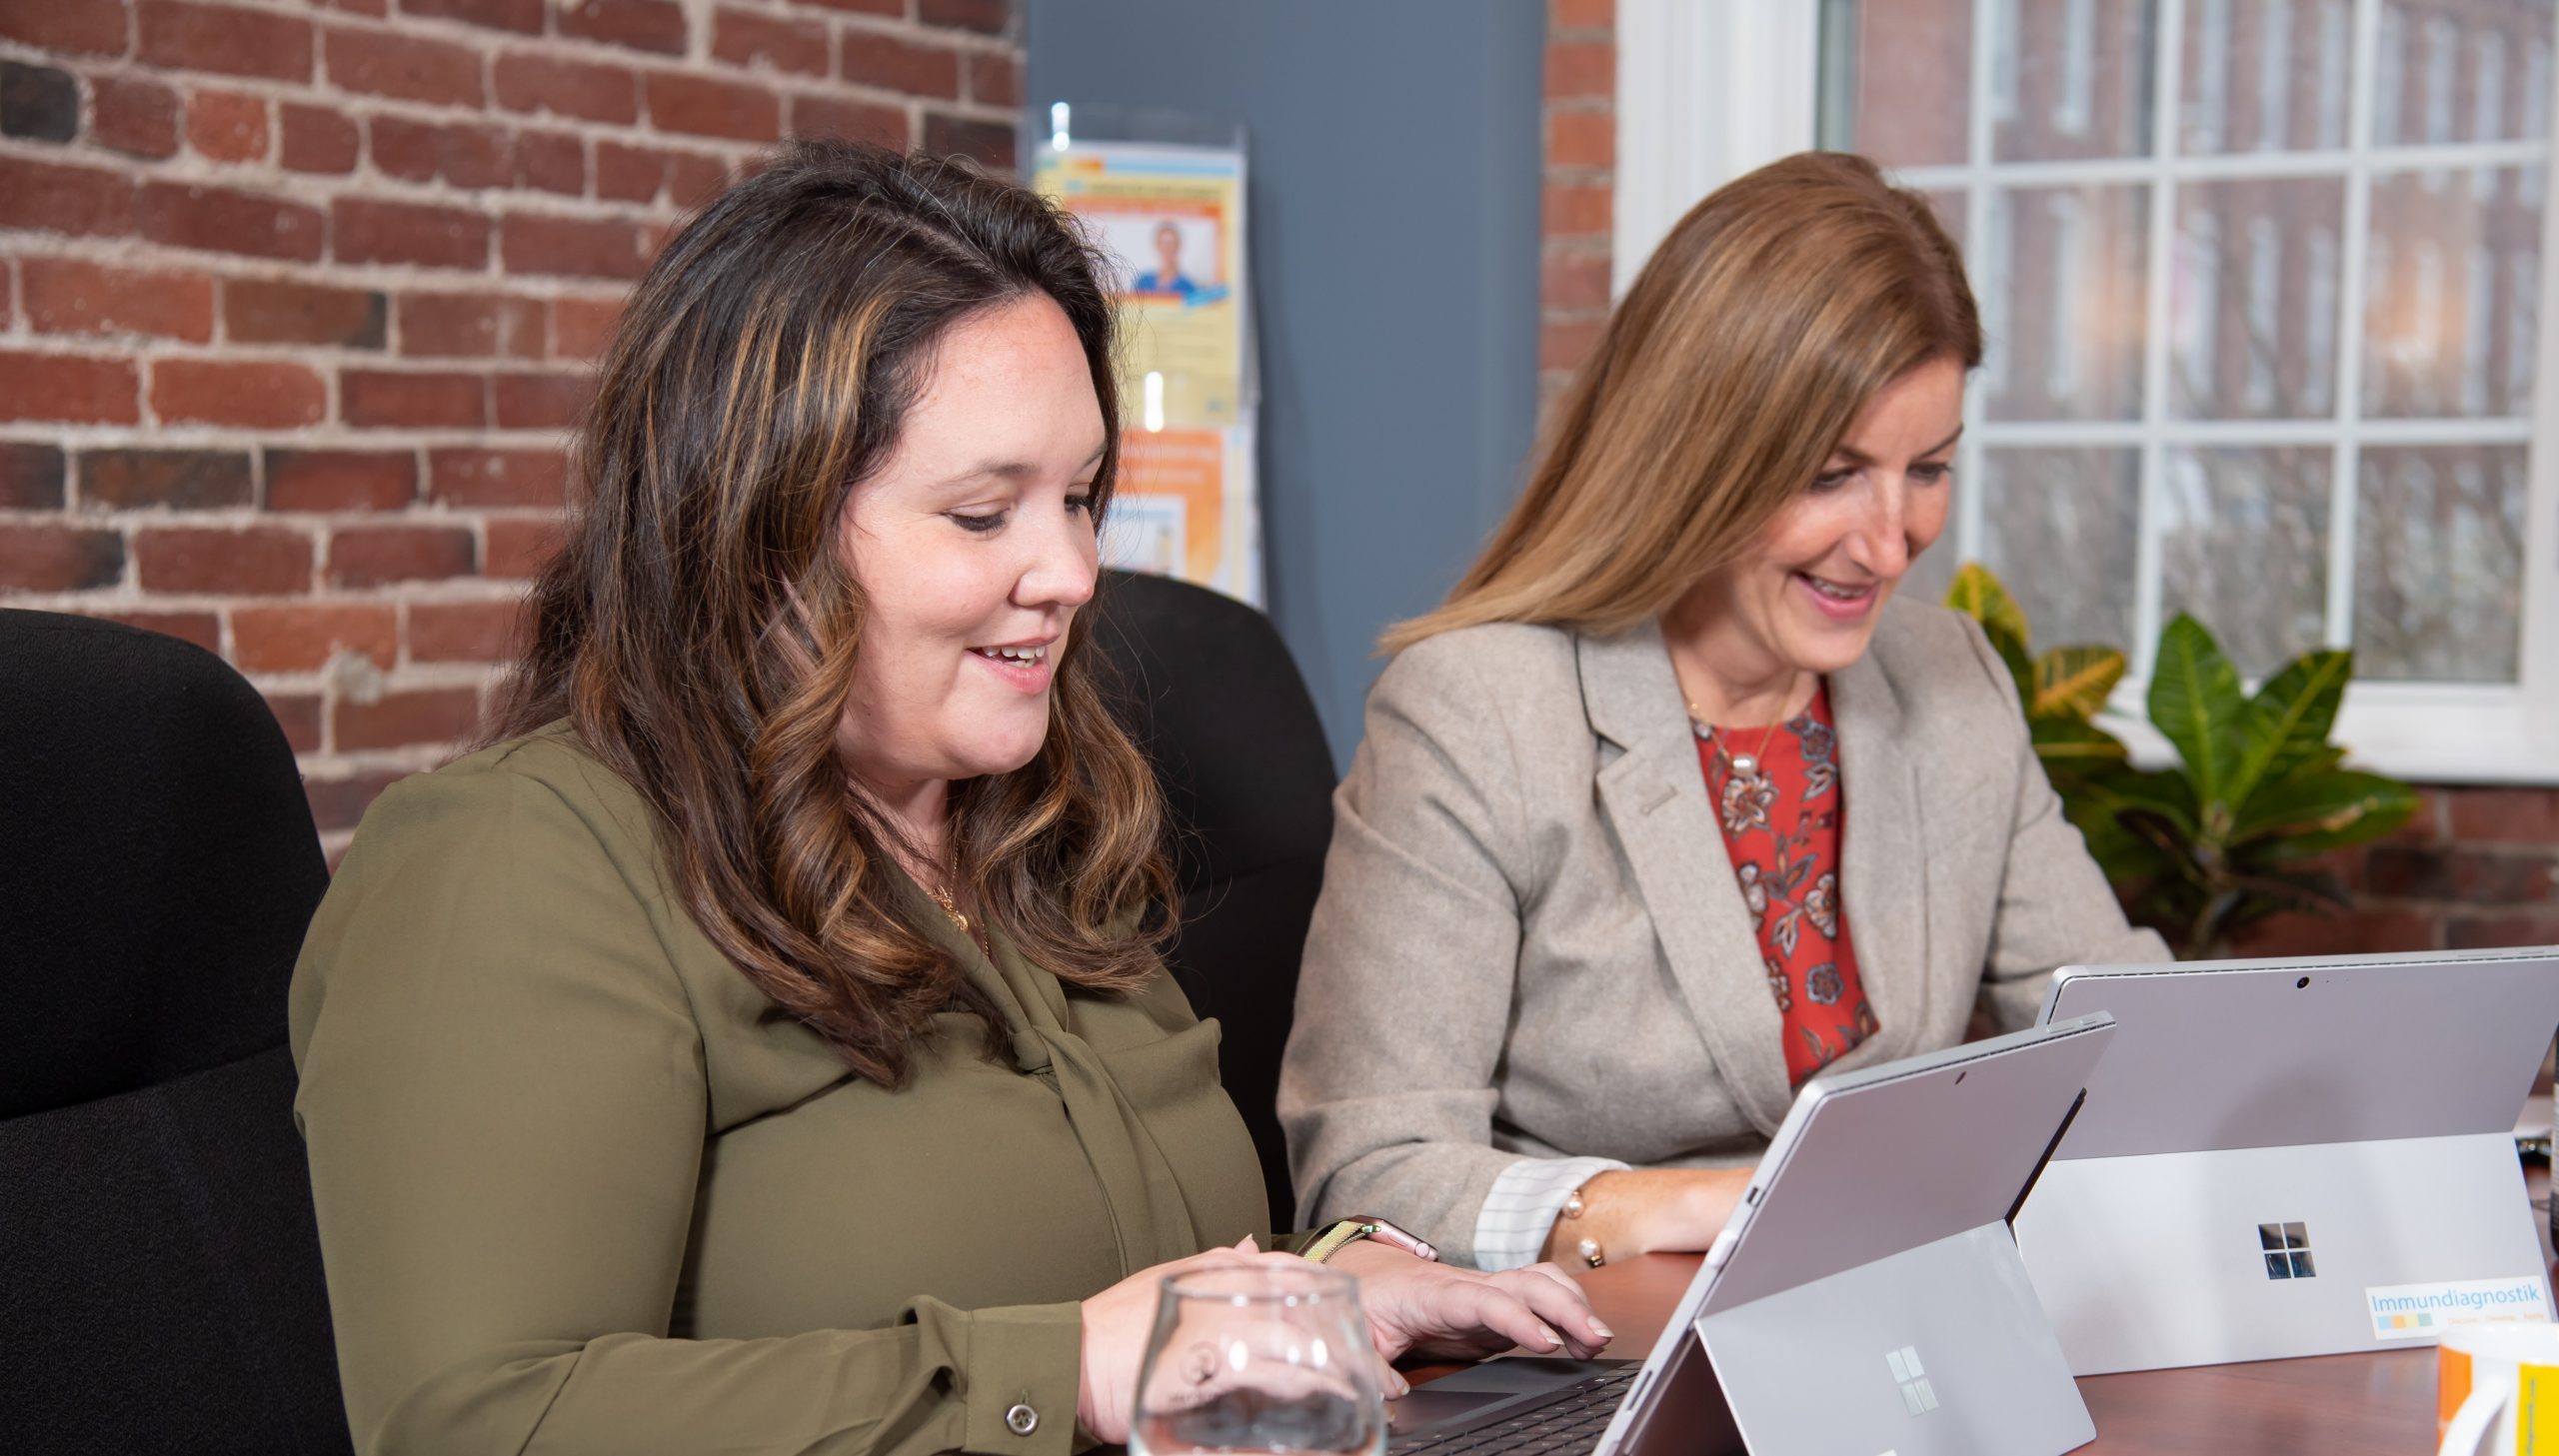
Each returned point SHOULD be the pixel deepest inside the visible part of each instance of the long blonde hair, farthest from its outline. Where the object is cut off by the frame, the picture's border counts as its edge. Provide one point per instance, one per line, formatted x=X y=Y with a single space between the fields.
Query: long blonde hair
x=1751 y=341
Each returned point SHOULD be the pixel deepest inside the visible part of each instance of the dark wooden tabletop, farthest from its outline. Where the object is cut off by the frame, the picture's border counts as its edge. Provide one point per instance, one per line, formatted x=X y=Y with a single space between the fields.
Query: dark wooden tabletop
x=2381 y=1404
x=2336 y=1405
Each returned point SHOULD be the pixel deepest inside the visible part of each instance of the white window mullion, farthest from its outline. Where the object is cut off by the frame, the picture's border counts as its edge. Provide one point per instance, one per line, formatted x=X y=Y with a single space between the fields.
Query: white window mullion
x=2256 y=434
x=2168 y=71
x=2229 y=167
x=2347 y=458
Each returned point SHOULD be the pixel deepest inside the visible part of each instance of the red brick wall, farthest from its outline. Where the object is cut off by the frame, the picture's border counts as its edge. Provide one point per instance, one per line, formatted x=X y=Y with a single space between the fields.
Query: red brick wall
x=298 y=299
x=1580 y=162
x=2475 y=868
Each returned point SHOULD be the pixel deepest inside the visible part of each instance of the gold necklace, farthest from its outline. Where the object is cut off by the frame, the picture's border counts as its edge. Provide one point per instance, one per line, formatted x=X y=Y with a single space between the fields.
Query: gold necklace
x=1745 y=766
x=942 y=895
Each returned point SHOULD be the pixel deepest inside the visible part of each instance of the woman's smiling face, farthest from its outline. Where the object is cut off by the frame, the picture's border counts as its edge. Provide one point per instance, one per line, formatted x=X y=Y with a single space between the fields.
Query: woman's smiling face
x=974 y=544
x=1808 y=598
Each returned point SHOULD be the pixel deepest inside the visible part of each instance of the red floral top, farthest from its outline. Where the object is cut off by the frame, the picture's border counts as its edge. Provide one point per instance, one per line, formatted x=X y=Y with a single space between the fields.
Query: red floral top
x=1781 y=825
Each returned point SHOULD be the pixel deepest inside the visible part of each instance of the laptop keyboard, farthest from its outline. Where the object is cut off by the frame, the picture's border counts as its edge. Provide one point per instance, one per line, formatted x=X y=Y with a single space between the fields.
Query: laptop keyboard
x=1568 y=1420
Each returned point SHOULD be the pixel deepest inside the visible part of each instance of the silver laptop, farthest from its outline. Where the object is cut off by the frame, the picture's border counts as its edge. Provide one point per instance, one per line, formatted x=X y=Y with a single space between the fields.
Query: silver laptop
x=1867 y=1296
x=2293 y=1157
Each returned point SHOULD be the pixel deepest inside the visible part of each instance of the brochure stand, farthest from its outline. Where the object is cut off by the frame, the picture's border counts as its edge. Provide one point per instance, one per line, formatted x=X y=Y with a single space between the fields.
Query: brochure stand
x=1164 y=194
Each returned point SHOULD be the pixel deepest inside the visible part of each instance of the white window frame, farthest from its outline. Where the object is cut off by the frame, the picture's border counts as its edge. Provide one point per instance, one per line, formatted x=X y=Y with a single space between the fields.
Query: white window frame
x=1709 y=89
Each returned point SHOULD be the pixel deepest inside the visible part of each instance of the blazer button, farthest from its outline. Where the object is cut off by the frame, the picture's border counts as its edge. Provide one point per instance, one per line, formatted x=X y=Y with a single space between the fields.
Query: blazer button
x=1022 y=1420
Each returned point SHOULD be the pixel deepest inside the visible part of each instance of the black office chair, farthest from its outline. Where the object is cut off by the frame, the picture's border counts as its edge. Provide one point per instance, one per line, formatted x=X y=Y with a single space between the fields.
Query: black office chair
x=1215 y=701
x=160 y=1283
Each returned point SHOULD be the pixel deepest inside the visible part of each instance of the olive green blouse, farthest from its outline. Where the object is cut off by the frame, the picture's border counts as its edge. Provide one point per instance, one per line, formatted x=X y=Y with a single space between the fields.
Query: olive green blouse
x=583 y=1188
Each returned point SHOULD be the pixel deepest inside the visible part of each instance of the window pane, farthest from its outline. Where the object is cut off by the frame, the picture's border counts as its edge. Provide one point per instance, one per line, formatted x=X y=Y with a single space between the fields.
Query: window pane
x=2060 y=526
x=2451 y=293
x=2471 y=71
x=2243 y=548
x=1905 y=66
x=2070 y=79
x=2059 y=281
x=2253 y=300
x=2266 y=75
x=2439 y=562
x=1934 y=570
x=1949 y=207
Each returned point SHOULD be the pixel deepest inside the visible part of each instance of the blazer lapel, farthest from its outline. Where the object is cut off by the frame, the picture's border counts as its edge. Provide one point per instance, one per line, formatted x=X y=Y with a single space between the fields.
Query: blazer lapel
x=1883 y=860
x=1655 y=797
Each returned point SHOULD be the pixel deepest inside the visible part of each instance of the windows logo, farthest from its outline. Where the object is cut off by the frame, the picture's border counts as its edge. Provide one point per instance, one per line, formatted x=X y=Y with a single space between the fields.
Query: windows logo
x=2287 y=1250
x=1917 y=1396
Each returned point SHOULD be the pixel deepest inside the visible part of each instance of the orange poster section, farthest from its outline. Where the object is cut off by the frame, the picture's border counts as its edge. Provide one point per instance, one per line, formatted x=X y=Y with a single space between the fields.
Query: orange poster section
x=1170 y=502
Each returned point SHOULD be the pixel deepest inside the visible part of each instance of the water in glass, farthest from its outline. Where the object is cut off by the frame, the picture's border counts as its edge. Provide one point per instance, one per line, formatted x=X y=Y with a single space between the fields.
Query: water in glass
x=1260 y=1358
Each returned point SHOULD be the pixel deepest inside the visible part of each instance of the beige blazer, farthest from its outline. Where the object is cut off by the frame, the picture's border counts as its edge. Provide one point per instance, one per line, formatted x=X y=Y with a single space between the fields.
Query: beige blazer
x=1530 y=941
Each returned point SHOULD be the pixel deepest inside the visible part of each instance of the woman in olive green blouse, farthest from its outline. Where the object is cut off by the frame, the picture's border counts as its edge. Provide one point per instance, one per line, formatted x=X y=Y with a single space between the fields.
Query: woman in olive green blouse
x=761 y=1046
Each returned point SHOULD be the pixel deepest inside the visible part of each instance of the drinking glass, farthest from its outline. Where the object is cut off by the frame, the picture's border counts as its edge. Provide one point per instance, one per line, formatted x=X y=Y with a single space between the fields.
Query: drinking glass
x=1260 y=1358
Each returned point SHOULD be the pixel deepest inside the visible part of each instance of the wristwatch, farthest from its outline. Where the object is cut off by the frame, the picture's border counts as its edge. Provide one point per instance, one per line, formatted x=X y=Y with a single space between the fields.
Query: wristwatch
x=1365 y=1225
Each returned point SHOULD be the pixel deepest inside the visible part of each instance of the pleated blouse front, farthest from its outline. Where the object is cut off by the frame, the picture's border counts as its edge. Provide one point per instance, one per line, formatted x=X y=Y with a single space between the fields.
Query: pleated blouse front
x=581 y=1187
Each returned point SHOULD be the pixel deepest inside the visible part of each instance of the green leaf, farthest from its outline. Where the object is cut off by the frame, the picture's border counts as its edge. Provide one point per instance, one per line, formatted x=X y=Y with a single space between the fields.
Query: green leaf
x=2161 y=795
x=2295 y=711
x=2320 y=760
x=2277 y=891
x=2126 y=858
x=2311 y=813
x=1977 y=594
x=2012 y=653
x=2075 y=680
x=2074 y=743
x=2196 y=703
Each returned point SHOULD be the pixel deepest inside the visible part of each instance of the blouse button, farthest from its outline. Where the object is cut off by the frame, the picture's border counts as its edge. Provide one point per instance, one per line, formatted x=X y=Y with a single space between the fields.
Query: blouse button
x=1022 y=1420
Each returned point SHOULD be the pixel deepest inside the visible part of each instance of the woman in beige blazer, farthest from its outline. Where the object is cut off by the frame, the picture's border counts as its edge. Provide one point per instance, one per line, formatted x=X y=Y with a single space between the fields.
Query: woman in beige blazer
x=761 y=1048
x=1672 y=805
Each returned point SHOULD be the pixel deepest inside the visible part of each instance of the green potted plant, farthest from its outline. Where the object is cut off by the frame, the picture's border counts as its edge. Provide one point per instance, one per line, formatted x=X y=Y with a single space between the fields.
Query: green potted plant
x=2232 y=832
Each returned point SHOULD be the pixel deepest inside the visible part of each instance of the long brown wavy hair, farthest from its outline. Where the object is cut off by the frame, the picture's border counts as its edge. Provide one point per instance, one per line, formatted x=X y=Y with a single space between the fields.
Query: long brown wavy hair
x=1751 y=341
x=699 y=628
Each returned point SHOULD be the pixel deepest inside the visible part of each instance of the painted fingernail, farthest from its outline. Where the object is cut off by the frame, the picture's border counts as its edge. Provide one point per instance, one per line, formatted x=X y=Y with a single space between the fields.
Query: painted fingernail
x=1602 y=1331
x=1552 y=1339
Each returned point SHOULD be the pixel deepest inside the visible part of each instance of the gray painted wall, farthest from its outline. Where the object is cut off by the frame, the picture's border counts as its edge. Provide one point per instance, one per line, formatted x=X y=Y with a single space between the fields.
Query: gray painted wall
x=1396 y=159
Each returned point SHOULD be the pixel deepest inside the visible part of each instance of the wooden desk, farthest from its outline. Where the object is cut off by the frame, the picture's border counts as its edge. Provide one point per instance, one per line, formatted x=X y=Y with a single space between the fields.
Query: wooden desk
x=2381 y=1404
x=2335 y=1405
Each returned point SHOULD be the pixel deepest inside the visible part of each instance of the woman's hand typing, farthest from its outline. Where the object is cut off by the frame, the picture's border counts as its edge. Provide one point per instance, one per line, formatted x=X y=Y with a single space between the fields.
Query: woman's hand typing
x=1416 y=1306
x=1413 y=1307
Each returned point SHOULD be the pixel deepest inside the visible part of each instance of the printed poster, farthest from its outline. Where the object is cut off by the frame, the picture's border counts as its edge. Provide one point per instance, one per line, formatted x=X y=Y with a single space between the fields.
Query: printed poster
x=1172 y=220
